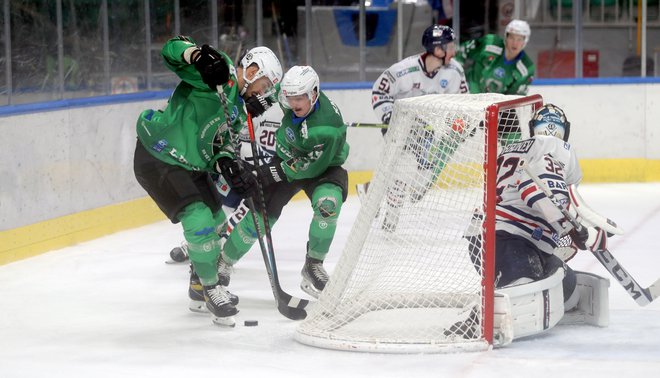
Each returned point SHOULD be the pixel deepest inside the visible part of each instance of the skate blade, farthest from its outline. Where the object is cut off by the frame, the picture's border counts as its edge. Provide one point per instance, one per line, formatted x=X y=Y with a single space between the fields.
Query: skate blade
x=172 y=262
x=310 y=289
x=228 y=321
x=198 y=307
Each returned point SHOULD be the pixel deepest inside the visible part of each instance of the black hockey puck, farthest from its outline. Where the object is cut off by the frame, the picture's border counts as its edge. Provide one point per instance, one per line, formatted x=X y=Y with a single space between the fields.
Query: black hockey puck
x=251 y=323
x=178 y=254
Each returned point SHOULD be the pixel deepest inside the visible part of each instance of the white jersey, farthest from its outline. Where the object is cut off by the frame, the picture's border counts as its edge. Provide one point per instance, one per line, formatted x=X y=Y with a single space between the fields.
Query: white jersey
x=265 y=127
x=408 y=78
x=522 y=208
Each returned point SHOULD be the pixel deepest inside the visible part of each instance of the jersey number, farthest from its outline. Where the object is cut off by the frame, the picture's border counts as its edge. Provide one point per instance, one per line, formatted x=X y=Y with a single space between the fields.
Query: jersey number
x=510 y=164
x=384 y=85
x=267 y=138
x=553 y=166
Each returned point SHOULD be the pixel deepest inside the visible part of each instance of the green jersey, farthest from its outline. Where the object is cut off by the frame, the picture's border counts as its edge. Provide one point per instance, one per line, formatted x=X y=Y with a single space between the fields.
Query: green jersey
x=309 y=145
x=487 y=69
x=191 y=131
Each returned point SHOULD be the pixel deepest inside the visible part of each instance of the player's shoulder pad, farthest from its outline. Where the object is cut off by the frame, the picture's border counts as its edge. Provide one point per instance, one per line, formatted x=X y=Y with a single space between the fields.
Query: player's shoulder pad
x=493 y=44
x=547 y=140
x=405 y=66
x=455 y=65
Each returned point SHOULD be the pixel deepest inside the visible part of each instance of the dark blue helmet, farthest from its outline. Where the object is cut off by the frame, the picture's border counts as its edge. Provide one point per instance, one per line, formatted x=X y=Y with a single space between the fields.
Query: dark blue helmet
x=550 y=120
x=437 y=35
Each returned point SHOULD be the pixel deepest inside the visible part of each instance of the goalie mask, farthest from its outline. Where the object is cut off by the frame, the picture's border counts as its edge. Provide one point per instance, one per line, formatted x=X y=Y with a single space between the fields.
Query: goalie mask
x=550 y=120
x=269 y=66
x=300 y=80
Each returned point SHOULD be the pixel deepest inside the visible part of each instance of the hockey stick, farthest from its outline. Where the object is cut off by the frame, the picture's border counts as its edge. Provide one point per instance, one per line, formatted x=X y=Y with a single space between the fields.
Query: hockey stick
x=289 y=306
x=641 y=295
x=364 y=124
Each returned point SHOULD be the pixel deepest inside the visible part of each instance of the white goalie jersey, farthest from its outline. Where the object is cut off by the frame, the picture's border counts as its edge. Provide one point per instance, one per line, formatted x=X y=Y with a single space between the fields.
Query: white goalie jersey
x=408 y=78
x=523 y=209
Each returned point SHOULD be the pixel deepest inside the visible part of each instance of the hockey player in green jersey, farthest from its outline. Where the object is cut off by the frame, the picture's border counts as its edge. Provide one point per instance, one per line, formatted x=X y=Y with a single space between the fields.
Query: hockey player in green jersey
x=180 y=146
x=496 y=65
x=310 y=149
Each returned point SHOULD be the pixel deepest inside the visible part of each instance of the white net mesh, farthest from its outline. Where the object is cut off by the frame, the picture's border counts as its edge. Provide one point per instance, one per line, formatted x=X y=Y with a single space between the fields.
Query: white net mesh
x=409 y=278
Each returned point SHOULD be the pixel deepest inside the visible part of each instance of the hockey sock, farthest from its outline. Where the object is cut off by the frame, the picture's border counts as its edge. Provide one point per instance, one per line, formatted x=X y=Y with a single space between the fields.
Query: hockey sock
x=242 y=237
x=326 y=202
x=199 y=226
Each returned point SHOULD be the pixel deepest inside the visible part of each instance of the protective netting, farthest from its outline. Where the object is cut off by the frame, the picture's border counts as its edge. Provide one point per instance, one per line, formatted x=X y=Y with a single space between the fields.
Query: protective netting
x=410 y=277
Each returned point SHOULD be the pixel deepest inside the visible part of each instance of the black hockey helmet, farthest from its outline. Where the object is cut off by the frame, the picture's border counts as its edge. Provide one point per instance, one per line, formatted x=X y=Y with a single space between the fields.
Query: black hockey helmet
x=437 y=35
x=550 y=120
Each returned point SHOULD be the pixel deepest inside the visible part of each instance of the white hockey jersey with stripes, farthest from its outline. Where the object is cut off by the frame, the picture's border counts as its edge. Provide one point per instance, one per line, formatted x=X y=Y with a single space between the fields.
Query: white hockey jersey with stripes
x=408 y=78
x=522 y=208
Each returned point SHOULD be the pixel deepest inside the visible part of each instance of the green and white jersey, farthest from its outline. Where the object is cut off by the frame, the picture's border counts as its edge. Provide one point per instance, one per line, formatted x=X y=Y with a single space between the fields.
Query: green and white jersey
x=309 y=146
x=191 y=131
x=487 y=69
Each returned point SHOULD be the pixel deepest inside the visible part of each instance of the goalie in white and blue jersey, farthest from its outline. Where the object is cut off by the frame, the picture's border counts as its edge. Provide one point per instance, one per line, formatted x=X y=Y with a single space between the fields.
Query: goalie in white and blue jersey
x=531 y=230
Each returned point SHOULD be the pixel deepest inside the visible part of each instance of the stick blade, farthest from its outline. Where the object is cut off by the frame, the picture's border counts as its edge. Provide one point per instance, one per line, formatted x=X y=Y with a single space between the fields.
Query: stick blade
x=291 y=307
x=292 y=313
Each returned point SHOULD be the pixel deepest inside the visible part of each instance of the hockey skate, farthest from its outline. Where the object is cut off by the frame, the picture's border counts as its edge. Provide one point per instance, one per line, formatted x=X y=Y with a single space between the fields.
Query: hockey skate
x=218 y=302
x=467 y=329
x=196 y=294
x=314 y=277
x=361 y=190
x=224 y=271
x=390 y=220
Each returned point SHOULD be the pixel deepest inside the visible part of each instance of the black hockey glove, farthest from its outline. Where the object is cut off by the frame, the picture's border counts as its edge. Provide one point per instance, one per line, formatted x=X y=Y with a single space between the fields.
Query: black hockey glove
x=241 y=181
x=211 y=66
x=271 y=173
x=256 y=105
x=386 y=121
x=580 y=237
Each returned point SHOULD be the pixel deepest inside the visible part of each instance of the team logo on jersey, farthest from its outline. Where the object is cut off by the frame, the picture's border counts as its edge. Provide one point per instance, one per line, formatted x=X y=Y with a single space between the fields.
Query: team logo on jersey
x=444 y=83
x=160 y=145
x=234 y=114
x=290 y=135
x=499 y=72
x=417 y=85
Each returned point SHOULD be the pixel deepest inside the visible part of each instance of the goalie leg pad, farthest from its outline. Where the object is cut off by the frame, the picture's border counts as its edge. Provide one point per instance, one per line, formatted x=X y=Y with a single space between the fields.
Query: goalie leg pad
x=593 y=308
x=535 y=306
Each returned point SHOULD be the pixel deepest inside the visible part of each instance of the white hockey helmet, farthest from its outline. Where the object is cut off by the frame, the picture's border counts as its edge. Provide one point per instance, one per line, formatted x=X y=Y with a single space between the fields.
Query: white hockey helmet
x=300 y=80
x=266 y=60
x=550 y=120
x=519 y=27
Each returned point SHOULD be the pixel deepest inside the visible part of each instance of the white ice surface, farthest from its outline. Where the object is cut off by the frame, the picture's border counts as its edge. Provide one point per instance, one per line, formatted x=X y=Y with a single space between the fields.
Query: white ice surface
x=112 y=308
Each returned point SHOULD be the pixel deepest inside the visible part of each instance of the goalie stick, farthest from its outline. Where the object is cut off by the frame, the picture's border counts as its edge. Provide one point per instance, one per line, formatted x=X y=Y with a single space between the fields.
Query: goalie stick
x=288 y=305
x=641 y=295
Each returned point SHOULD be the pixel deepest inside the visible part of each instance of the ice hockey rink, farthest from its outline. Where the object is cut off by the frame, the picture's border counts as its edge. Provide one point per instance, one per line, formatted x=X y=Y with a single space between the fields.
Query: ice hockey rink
x=111 y=307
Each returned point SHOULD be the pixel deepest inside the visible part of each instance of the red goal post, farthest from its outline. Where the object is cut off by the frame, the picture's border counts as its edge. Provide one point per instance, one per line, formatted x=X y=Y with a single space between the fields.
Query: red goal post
x=411 y=278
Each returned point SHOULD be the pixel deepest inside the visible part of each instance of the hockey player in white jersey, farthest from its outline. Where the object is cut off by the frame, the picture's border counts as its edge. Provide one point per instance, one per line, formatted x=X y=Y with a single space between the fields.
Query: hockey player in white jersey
x=435 y=71
x=529 y=227
x=431 y=72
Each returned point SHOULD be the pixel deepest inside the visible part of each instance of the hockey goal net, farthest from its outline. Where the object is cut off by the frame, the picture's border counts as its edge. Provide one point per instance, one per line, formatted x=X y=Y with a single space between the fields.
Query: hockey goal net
x=410 y=278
